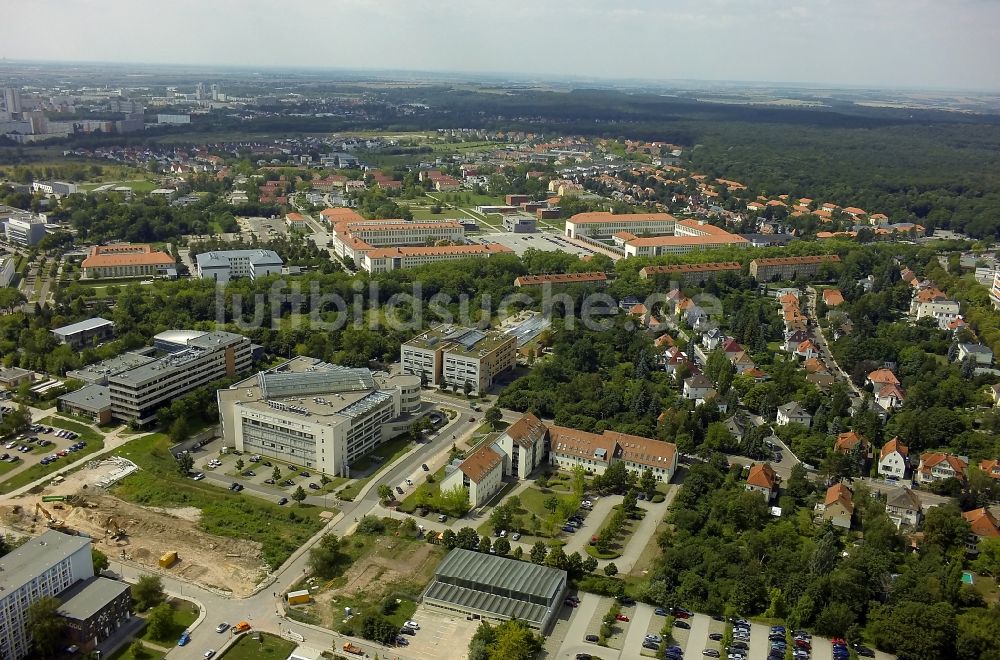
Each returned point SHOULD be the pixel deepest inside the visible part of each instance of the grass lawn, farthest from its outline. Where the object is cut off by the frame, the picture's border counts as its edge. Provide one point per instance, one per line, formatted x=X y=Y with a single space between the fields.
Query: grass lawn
x=270 y=647
x=95 y=442
x=409 y=503
x=389 y=451
x=281 y=530
x=185 y=613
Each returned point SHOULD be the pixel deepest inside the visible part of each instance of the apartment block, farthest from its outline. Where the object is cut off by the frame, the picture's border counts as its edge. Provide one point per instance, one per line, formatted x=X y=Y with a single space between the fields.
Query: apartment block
x=127 y=260
x=555 y=279
x=688 y=274
x=789 y=268
x=454 y=355
x=138 y=393
x=603 y=224
x=386 y=259
x=46 y=565
x=316 y=414
x=224 y=265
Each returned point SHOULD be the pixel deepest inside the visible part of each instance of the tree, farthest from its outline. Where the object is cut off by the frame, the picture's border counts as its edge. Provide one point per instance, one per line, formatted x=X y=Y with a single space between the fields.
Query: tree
x=239 y=464
x=538 y=552
x=484 y=544
x=160 y=621
x=518 y=553
x=551 y=503
x=147 y=592
x=384 y=492
x=647 y=483
x=467 y=388
x=514 y=640
x=11 y=298
x=326 y=559
x=179 y=430
x=138 y=650
x=276 y=473
x=556 y=558
x=377 y=628
x=502 y=517
x=501 y=546
x=299 y=495
x=185 y=463
x=945 y=527
x=590 y=564
x=988 y=560
x=99 y=559
x=45 y=626
x=493 y=416
x=798 y=486
x=468 y=538
x=611 y=570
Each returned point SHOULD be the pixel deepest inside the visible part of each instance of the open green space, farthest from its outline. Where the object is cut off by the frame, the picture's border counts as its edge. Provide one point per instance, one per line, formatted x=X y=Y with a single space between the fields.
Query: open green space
x=269 y=647
x=425 y=492
x=280 y=530
x=185 y=613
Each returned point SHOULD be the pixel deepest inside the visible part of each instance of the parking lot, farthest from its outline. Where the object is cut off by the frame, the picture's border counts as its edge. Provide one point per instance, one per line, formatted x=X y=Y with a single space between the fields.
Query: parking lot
x=440 y=634
x=40 y=444
x=264 y=228
x=545 y=241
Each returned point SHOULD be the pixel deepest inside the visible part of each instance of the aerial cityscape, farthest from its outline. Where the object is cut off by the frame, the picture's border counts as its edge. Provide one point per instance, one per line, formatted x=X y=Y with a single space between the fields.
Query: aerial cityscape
x=418 y=342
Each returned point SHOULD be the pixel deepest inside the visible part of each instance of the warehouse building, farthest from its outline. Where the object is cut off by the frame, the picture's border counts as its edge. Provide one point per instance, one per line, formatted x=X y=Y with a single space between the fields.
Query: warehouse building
x=497 y=589
x=319 y=415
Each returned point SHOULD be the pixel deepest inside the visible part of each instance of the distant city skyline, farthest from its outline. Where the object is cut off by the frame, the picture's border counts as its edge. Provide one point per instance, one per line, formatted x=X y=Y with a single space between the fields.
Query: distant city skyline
x=947 y=44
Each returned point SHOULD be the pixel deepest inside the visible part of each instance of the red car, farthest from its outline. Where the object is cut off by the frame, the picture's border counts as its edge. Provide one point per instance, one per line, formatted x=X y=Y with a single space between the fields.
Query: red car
x=622 y=617
x=838 y=640
x=803 y=644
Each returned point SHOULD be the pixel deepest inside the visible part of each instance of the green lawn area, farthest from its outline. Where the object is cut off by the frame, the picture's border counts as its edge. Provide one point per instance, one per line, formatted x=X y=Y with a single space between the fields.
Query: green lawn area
x=185 y=613
x=409 y=503
x=531 y=516
x=270 y=647
x=95 y=442
x=281 y=530
x=389 y=451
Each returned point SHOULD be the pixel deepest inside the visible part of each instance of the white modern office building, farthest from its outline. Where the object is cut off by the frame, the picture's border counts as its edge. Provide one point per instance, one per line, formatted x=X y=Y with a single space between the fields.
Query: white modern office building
x=317 y=415
x=44 y=566
x=137 y=394
x=454 y=355
x=25 y=229
x=224 y=265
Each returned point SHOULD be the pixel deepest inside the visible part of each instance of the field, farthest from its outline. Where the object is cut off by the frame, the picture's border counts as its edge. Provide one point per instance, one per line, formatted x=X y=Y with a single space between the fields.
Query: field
x=394 y=564
x=270 y=647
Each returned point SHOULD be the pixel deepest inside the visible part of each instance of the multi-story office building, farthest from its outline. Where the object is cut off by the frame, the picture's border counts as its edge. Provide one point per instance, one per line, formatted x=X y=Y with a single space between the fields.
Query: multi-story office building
x=454 y=355
x=789 y=268
x=602 y=224
x=25 y=229
x=224 y=265
x=54 y=187
x=44 y=566
x=315 y=414
x=127 y=260
x=138 y=393
x=8 y=266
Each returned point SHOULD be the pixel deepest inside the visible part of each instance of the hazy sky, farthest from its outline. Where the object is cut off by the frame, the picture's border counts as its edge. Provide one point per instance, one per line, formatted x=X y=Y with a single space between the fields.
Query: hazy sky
x=924 y=43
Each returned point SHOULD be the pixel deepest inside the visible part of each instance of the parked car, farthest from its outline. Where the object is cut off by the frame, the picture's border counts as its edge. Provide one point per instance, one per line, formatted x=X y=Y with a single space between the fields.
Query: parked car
x=682 y=624
x=184 y=639
x=304 y=473
x=591 y=638
x=653 y=638
x=407 y=631
x=425 y=468
x=399 y=489
x=516 y=536
x=569 y=528
x=622 y=617
x=314 y=485
x=651 y=645
x=210 y=653
x=711 y=653
x=249 y=473
x=864 y=651
x=442 y=518
x=222 y=627
x=269 y=481
x=659 y=611
x=283 y=501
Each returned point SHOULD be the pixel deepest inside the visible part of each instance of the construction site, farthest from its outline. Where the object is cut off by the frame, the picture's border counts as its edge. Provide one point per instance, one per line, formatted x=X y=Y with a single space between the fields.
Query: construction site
x=79 y=504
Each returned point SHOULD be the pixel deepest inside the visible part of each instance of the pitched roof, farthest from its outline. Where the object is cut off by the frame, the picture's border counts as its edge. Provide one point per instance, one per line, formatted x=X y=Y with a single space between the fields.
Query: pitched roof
x=904 y=498
x=931 y=458
x=697 y=381
x=848 y=441
x=889 y=390
x=762 y=476
x=883 y=377
x=560 y=278
x=597 y=217
x=833 y=297
x=793 y=261
x=581 y=444
x=457 y=250
x=680 y=269
x=126 y=254
x=483 y=460
x=526 y=431
x=644 y=451
x=894 y=445
x=840 y=494
x=990 y=466
x=793 y=409
x=982 y=523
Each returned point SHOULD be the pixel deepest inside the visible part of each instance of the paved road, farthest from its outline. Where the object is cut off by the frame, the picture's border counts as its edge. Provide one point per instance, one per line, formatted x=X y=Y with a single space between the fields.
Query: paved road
x=636 y=630
x=698 y=640
x=591 y=607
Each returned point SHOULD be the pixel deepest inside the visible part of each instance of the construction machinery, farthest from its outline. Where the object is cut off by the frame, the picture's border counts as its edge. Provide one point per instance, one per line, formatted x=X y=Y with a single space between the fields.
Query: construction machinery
x=113 y=531
x=52 y=522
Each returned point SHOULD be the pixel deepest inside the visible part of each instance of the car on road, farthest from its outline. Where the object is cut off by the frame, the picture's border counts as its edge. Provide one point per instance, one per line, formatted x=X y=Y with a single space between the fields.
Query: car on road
x=184 y=638
x=283 y=501
x=222 y=627
x=591 y=638
x=210 y=653
x=682 y=624
x=425 y=468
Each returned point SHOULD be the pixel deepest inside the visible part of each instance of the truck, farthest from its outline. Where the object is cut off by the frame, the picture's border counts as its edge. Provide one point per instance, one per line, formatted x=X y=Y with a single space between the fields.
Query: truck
x=241 y=627
x=351 y=648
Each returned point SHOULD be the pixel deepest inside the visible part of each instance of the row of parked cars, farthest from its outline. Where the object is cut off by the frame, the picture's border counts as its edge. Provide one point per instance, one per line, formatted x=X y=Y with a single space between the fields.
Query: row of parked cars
x=75 y=447
x=409 y=628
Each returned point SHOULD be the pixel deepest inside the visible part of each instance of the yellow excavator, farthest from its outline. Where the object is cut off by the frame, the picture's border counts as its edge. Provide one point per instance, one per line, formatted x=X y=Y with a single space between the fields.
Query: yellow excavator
x=52 y=522
x=114 y=531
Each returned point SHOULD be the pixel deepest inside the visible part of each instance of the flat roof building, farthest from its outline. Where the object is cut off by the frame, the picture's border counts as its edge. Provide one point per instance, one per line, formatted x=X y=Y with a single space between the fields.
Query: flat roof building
x=224 y=265
x=85 y=333
x=316 y=414
x=94 y=609
x=46 y=565
x=99 y=372
x=497 y=588
x=90 y=401
x=25 y=229
x=454 y=356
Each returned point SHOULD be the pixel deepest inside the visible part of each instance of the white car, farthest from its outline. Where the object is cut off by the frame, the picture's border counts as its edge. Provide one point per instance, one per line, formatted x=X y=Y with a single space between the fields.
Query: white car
x=409 y=482
x=412 y=624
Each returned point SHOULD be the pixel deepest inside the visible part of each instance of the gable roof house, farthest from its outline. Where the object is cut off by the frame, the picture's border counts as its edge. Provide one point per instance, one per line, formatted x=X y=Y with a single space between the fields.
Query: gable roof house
x=890 y=396
x=763 y=479
x=904 y=508
x=982 y=525
x=935 y=466
x=894 y=459
x=793 y=413
x=838 y=506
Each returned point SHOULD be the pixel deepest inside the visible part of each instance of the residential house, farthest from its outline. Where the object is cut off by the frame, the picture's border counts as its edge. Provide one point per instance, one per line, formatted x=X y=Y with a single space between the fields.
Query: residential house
x=481 y=472
x=833 y=297
x=991 y=467
x=935 y=466
x=982 y=525
x=763 y=479
x=904 y=508
x=858 y=445
x=894 y=459
x=523 y=444
x=793 y=338
x=712 y=339
x=881 y=377
x=979 y=354
x=890 y=396
x=838 y=506
x=793 y=413
x=697 y=387
x=806 y=350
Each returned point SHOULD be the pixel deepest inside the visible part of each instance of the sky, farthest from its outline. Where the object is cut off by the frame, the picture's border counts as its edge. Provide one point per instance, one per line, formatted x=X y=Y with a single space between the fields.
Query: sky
x=873 y=43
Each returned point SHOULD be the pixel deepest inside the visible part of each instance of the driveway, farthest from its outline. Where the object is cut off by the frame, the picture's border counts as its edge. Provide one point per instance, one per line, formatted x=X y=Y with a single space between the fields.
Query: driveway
x=638 y=628
x=698 y=640
x=591 y=609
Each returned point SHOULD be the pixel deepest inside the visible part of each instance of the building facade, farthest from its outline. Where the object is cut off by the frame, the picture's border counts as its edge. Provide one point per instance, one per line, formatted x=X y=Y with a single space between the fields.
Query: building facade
x=382 y=260
x=789 y=268
x=93 y=610
x=454 y=356
x=26 y=230
x=85 y=333
x=127 y=260
x=481 y=472
x=224 y=265
x=602 y=224
x=688 y=274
